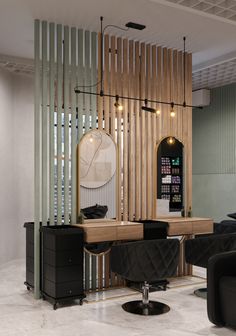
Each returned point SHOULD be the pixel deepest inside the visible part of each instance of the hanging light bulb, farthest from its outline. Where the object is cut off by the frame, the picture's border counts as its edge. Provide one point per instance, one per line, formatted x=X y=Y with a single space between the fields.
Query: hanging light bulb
x=171 y=140
x=172 y=111
x=158 y=111
x=118 y=105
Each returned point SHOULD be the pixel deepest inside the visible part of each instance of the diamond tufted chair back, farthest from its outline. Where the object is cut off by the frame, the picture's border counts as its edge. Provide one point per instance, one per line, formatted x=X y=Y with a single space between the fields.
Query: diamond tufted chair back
x=146 y=260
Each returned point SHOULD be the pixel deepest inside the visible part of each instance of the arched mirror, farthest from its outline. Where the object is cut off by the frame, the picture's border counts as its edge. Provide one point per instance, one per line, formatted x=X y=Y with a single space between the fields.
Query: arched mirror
x=170 y=177
x=97 y=171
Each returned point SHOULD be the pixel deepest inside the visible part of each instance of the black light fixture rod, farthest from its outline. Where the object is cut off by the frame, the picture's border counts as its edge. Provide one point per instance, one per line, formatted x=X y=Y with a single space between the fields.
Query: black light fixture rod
x=184 y=103
x=102 y=94
x=101 y=65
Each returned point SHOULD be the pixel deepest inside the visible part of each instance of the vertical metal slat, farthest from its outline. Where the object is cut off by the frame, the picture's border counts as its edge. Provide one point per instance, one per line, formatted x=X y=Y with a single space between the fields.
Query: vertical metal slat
x=87 y=80
x=44 y=126
x=59 y=124
x=73 y=126
x=37 y=186
x=66 y=125
x=80 y=82
x=94 y=78
x=51 y=121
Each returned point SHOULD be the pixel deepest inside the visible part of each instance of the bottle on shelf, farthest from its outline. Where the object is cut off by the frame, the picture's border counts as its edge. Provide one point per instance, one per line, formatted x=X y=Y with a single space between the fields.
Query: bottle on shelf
x=182 y=212
x=189 y=212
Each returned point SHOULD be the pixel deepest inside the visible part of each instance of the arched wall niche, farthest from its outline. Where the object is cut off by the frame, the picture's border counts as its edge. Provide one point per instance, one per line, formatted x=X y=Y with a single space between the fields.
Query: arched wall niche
x=170 y=183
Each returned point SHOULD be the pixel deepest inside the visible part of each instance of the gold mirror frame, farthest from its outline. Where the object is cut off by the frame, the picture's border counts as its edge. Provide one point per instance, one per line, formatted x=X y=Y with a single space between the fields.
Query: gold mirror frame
x=155 y=170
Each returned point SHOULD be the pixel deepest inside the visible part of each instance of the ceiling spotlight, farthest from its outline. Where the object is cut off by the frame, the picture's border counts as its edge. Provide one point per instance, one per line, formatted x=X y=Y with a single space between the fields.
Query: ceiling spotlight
x=172 y=111
x=134 y=25
x=170 y=140
x=118 y=105
x=148 y=109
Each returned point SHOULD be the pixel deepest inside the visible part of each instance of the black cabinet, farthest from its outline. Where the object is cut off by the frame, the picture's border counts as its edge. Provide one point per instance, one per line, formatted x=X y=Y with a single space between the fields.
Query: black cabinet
x=62 y=263
x=29 y=255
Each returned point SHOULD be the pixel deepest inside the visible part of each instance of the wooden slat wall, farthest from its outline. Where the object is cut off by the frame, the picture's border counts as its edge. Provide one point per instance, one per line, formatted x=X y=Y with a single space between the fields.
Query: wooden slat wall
x=156 y=73
x=132 y=69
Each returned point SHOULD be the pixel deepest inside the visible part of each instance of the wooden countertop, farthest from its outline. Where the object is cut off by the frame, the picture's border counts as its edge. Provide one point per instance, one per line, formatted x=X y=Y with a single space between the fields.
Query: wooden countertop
x=187 y=225
x=101 y=231
x=111 y=230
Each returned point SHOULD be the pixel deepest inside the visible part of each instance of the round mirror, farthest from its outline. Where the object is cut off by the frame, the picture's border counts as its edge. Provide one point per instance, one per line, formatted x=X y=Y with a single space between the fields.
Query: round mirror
x=97 y=159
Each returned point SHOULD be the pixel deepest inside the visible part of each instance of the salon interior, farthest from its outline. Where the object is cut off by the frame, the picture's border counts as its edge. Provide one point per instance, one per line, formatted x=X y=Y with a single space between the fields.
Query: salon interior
x=118 y=168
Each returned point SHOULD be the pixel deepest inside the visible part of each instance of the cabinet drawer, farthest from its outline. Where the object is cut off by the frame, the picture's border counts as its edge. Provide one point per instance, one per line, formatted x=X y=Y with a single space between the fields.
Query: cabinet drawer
x=62 y=274
x=179 y=228
x=93 y=235
x=63 y=258
x=128 y=233
x=63 y=290
x=62 y=242
x=202 y=227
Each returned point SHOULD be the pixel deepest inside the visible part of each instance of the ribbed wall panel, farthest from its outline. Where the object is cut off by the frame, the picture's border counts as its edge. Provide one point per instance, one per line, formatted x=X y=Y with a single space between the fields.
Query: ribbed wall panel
x=214 y=134
x=100 y=196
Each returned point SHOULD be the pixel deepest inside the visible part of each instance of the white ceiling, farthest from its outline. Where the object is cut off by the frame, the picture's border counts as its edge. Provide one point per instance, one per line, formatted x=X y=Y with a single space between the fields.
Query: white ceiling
x=209 y=37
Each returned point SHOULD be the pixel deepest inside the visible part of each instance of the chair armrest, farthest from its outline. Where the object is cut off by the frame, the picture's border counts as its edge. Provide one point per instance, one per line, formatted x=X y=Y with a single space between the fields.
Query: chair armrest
x=219 y=265
x=199 y=251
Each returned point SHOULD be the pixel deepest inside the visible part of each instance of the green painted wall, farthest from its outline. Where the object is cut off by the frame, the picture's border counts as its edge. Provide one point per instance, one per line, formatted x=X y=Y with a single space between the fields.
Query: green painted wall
x=214 y=155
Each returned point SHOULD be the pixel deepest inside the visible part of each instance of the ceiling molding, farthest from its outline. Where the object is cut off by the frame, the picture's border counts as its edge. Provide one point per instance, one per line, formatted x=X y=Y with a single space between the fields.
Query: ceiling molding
x=17 y=65
x=177 y=4
x=216 y=61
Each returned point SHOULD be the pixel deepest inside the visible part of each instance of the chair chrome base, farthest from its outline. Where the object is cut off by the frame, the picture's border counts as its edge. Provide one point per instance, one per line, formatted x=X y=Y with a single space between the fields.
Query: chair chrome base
x=151 y=308
x=145 y=307
x=201 y=292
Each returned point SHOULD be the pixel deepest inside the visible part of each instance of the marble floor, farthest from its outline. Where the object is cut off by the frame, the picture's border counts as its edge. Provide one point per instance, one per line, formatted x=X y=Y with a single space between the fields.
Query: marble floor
x=101 y=314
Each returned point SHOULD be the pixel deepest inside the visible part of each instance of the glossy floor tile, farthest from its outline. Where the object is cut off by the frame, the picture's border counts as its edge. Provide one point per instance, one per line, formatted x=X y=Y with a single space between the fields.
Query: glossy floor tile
x=102 y=314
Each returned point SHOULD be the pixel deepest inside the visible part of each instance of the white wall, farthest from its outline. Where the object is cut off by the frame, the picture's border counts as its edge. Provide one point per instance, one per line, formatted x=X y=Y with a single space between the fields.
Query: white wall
x=16 y=162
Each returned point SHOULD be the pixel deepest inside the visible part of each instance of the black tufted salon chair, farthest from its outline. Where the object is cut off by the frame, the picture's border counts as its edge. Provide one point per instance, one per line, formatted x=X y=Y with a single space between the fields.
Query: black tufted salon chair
x=199 y=250
x=145 y=261
x=225 y=226
x=221 y=285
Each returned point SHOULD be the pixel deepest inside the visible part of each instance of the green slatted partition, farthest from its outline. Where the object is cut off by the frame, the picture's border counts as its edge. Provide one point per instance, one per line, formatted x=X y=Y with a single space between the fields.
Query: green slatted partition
x=64 y=58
